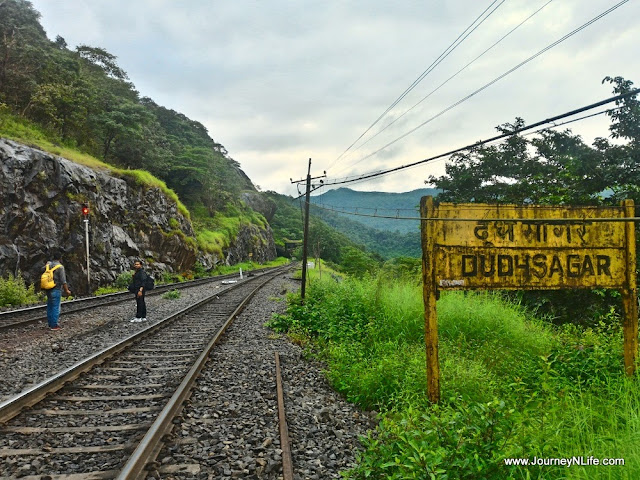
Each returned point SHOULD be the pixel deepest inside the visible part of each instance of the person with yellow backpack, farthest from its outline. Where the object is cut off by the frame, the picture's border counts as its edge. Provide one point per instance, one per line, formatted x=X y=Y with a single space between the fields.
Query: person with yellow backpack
x=52 y=282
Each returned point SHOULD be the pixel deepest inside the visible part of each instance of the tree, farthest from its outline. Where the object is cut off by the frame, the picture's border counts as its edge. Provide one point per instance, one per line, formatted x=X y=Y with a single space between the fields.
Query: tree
x=23 y=43
x=122 y=123
x=626 y=118
x=357 y=263
x=556 y=167
x=103 y=60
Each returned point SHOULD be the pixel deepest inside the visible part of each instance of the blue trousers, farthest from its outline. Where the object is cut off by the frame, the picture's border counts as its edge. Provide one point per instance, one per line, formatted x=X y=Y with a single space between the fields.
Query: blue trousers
x=54 y=296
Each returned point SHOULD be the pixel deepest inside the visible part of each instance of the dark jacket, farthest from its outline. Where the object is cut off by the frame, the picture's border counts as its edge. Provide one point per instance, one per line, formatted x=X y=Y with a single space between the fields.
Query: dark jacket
x=139 y=280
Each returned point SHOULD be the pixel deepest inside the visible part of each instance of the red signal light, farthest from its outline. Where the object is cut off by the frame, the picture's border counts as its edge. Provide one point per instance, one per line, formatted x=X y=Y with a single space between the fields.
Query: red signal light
x=85 y=210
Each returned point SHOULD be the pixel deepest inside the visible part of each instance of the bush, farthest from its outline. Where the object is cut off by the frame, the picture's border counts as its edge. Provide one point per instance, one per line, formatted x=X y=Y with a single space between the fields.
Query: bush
x=589 y=357
x=443 y=443
x=123 y=280
x=14 y=292
x=512 y=386
x=172 y=294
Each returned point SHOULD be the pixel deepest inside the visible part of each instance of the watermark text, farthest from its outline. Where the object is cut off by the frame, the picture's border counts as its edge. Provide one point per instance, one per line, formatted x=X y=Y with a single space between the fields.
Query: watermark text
x=564 y=462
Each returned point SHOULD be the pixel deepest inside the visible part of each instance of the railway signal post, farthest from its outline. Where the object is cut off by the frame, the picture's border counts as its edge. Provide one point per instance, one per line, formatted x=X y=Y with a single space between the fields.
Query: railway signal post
x=85 y=214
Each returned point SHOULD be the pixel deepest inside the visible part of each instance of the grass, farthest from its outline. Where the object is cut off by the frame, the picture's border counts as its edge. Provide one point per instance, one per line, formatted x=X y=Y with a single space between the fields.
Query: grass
x=211 y=241
x=248 y=266
x=511 y=385
x=172 y=294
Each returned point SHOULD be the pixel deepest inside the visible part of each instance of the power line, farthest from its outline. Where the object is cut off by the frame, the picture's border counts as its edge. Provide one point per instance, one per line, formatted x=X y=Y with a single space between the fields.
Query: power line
x=437 y=61
x=492 y=139
x=555 y=125
x=450 y=78
x=313 y=189
x=375 y=209
x=517 y=220
x=557 y=42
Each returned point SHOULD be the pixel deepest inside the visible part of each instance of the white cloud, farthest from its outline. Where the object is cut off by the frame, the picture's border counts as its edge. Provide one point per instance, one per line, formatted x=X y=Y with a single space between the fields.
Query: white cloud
x=278 y=82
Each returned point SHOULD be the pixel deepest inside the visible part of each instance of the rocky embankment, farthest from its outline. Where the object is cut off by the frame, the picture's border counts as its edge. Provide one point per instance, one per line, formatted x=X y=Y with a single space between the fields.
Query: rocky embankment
x=41 y=199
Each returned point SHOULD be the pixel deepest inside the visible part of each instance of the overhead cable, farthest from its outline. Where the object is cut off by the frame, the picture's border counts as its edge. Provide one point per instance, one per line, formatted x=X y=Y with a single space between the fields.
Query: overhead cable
x=435 y=63
x=555 y=125
x=521 y=220
x=450 y=78
x=557 y=42
x=489 y=140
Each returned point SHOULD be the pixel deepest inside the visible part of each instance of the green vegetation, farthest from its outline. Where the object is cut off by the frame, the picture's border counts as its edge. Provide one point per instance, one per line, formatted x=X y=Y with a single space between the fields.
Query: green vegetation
x=382 y=204
x=386 y=236
x=217 y=232
x=14 y=292
x=248 y=266
x=24 y=131
x=513 y=386
x=79 y=104
x=121 y=283
x=386 y=243
x=106 y=290
x=556 y=167
x=172 y=294
x=324 y=241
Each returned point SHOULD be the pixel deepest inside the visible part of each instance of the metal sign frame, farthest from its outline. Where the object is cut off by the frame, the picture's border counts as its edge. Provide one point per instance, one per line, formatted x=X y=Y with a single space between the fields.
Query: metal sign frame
x=533 y=247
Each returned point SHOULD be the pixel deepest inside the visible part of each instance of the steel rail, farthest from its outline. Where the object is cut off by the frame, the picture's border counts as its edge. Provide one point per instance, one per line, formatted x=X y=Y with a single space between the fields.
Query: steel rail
x=151 y=443
x=285 y=445
x=14 y=405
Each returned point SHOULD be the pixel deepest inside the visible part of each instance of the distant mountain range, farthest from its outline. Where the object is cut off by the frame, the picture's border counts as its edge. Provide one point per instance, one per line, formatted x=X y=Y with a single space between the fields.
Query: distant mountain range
x=390 y=237
x=346 y=202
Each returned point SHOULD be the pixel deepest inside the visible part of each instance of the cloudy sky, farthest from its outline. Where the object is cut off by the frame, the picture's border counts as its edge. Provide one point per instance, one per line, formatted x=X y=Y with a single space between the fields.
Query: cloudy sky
x=280 y=81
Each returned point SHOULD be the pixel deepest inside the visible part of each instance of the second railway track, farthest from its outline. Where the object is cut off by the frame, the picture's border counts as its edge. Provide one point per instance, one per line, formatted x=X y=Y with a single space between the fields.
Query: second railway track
x=20 y=317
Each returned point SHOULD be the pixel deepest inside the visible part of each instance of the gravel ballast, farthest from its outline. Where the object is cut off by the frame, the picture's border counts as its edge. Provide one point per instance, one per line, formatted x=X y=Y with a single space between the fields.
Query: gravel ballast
x=229 y=427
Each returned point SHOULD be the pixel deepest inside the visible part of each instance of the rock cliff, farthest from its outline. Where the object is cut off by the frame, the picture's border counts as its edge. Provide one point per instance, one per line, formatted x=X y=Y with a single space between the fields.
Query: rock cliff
x=41 y=199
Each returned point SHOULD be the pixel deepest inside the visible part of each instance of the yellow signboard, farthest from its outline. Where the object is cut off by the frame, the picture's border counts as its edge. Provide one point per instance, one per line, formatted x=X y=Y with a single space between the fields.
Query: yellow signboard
x=508 y=247
x=529 y=247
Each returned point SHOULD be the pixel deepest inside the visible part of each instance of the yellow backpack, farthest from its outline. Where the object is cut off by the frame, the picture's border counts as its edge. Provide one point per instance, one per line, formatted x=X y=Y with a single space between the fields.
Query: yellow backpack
x=46 y=279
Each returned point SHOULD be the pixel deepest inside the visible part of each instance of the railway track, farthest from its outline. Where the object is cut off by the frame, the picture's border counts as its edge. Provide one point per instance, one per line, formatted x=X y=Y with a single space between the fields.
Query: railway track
x=106 y=416
x=20 y=317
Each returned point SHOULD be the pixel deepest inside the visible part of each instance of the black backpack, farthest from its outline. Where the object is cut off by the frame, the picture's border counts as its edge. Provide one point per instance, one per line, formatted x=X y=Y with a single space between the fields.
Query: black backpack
x=149 y=283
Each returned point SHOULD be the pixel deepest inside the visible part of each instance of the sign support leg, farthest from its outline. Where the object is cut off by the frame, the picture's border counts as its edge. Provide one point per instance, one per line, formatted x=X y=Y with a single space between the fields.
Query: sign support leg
x=429 y=295
x=630 y=295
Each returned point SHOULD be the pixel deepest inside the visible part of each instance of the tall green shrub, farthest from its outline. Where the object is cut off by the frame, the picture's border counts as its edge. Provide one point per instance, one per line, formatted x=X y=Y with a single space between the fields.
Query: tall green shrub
x=14 y=292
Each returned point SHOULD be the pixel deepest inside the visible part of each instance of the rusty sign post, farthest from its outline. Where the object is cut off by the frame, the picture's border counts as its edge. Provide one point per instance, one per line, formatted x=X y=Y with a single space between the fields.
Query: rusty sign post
x=429 y=292
x=630 y=294
x=534 y=247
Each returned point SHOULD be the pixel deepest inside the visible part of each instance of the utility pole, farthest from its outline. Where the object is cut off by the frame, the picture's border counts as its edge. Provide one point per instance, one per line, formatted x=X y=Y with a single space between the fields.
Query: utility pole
x=306 y=227
x=306 y=233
